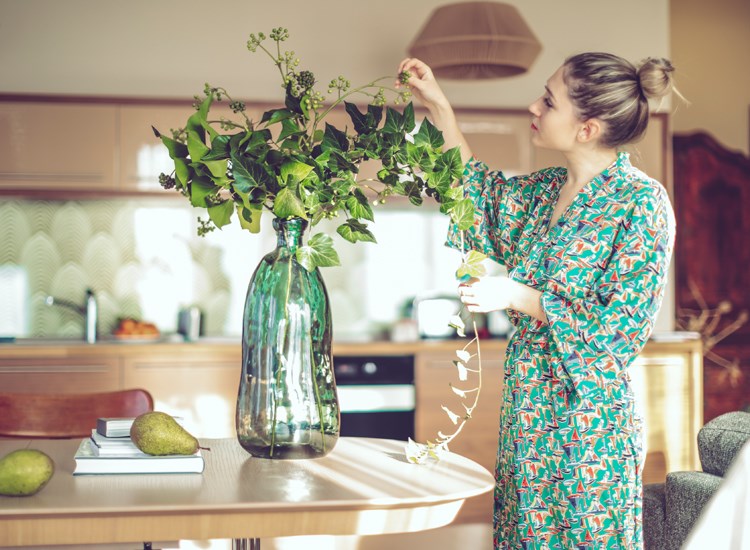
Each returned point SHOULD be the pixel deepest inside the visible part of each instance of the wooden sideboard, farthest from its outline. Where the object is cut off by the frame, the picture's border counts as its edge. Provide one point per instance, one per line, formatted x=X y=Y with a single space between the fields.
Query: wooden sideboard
x=198 y=381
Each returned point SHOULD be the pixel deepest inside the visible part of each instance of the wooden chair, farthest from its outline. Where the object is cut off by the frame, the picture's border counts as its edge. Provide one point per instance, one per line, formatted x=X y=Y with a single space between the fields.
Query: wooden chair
x=60 y=416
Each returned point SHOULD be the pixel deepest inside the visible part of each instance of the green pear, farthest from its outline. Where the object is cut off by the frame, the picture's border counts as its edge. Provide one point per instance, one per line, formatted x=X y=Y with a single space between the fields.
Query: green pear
x=24 y=472
x=157 y=433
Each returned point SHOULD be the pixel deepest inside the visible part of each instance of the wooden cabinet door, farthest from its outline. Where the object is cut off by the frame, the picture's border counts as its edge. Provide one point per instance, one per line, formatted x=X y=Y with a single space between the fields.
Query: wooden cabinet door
x=201 y=387
x=72 y=374
x=57 y=146
x=434 y=371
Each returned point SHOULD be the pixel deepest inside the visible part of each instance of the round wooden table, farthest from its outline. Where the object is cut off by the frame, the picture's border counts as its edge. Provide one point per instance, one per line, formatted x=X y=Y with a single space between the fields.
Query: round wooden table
x=363 y=487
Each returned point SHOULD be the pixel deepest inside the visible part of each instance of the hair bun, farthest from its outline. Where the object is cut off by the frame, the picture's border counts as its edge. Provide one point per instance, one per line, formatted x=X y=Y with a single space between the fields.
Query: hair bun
x=655 y=77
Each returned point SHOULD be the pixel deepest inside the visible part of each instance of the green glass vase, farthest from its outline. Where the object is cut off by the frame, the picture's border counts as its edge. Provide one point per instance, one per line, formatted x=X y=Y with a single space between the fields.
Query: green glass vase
x=287 y=406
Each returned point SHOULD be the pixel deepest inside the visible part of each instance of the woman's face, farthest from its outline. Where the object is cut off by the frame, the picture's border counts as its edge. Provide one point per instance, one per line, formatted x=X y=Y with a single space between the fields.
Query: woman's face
x=554 y=124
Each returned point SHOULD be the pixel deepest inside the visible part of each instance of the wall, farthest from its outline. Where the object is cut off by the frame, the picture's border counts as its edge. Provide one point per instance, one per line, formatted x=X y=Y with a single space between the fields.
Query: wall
x=172 y=47
x=710 y=45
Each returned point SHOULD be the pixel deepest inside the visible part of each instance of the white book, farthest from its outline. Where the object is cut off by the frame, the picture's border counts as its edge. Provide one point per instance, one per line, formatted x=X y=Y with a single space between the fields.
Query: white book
x=119 y=427
x=113 y=446
x=87 y=462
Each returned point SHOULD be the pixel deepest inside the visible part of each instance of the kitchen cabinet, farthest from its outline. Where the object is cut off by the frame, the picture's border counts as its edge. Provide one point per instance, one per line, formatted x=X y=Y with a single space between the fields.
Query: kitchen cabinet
x=57 y=146
x=198 y=385
x=63 y=373
x=434 y=371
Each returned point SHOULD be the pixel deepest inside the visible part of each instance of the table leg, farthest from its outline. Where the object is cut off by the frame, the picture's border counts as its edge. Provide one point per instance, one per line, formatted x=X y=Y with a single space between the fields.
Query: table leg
x=245 y=544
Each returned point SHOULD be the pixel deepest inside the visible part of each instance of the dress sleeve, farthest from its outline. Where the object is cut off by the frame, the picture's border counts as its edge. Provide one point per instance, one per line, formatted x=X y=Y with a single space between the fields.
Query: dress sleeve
x=501 y=210
x=596 y=338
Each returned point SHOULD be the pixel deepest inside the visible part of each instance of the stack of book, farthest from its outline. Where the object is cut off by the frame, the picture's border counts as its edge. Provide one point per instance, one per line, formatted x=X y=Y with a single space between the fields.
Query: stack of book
x=110 y=450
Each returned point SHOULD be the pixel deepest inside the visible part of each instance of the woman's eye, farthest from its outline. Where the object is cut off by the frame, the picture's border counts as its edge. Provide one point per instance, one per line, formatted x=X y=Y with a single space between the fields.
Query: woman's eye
x=547 y=102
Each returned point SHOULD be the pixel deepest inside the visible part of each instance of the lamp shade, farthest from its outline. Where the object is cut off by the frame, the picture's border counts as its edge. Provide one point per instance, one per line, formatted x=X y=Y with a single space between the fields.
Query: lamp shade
x=476 y=40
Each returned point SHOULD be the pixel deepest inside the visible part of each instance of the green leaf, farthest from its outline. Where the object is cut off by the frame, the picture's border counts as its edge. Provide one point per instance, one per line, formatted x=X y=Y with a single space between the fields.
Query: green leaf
x=318 y=252
x=221 y=214
x=394 y=122
x=289 y=128
x=353 y=231
x=462 y=214
x=288 y=205
x=472 y=266
x=429 y=135
x=219 y=148
x=359 y=119
x=200 y=188
x=334 y=139
x=295 y=170
x=250 y=217
x=196 y=147
x=175 y=148
x=276 y=115
x=181 y=171
x=359 y=206
x=218 y=168
x=408 y=118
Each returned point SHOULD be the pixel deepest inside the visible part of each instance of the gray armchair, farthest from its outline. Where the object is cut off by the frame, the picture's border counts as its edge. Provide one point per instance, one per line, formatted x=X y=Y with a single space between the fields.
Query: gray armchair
x=671 y=509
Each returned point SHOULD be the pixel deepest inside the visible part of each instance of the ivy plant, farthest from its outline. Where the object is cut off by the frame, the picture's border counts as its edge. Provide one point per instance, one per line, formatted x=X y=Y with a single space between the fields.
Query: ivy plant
x=294 y=163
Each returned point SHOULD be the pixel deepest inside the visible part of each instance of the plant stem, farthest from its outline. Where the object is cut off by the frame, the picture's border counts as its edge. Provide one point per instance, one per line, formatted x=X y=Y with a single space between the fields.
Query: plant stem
x=277 y=383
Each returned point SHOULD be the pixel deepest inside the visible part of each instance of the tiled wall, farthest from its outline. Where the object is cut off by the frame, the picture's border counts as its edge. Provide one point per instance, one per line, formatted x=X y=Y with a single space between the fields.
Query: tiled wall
x=143 y=259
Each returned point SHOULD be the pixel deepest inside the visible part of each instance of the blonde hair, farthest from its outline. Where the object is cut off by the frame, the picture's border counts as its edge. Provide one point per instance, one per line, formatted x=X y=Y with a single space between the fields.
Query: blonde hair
x=613 y=90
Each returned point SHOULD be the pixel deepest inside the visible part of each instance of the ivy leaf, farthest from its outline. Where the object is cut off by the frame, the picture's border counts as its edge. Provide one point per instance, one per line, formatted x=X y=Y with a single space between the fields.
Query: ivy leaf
x=200 y=188
x=288 y=205
x=359 y=206
x=219 y=148
x=181 y=171
x=221 y=214
x=408 y=118
x=459 y=392
x=472 y=266
x=429 y=135
x=359 y=119
x=462 y=371
x=318 y=252
x=196 y=147
x=276 y=115
x=394 y=122
x=175 y=148
x=250 y=217
x=249 y=175
x=457 y=323
x=218 y=168
x=353 y=231
x=334 y=139
x=462 y=214
x=453 y=416
x=289 y=128
x=295 y=170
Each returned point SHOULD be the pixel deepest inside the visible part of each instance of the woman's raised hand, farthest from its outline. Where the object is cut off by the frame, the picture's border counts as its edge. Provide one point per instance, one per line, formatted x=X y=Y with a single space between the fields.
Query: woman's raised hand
x=423 y=84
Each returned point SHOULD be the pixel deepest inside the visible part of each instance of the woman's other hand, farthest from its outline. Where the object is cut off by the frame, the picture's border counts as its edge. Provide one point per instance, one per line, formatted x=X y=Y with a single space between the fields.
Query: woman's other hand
x=485 y=294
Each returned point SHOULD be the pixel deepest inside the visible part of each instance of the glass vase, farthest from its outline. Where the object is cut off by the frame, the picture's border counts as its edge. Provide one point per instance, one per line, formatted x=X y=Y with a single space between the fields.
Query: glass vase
x=287 y=406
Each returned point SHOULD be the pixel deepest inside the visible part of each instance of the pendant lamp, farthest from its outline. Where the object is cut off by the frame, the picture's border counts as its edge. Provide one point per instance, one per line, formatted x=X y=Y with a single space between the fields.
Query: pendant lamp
x=476 y=40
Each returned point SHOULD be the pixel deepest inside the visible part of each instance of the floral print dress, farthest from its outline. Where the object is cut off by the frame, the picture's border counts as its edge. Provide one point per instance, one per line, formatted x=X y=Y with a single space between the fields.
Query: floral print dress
x=569 y=462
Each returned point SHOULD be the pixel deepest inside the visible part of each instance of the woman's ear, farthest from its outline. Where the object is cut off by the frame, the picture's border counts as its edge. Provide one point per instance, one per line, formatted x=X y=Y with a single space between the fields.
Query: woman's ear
x=590 y=130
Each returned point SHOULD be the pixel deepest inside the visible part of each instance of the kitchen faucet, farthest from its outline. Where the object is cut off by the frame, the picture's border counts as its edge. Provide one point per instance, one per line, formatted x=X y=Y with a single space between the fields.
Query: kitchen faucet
x=88 y=310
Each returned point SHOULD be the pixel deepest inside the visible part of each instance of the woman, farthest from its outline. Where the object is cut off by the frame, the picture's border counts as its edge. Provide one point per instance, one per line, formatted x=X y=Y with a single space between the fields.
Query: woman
x=587 y=248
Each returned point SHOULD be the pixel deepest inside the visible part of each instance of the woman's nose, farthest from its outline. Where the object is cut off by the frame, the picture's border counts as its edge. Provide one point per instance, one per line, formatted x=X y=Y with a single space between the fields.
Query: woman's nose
x=534 y=108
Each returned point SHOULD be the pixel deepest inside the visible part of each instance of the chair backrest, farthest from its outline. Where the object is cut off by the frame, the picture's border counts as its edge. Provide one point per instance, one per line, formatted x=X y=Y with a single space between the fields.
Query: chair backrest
x=47 y=415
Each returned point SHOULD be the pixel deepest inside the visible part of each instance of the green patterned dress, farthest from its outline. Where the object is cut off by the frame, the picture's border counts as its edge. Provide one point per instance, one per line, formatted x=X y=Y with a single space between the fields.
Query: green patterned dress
x=569 y=458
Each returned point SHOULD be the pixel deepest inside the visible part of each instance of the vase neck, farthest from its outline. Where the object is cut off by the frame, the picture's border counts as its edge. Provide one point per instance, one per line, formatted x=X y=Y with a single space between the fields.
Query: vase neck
x=289 y=232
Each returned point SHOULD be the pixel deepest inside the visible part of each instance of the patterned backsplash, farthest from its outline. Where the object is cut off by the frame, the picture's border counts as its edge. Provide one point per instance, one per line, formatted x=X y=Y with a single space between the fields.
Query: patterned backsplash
x=143 y=259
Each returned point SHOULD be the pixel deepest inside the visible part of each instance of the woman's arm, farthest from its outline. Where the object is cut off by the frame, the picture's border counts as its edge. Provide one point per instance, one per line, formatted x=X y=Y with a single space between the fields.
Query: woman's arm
x=426 y=89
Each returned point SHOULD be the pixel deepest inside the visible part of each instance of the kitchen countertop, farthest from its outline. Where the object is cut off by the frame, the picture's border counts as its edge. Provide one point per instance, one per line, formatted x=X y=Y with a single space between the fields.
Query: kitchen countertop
x=55 y=347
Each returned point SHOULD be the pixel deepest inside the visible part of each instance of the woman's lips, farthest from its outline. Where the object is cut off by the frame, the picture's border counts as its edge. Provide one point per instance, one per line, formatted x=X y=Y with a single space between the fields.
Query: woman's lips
x=533 y=127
